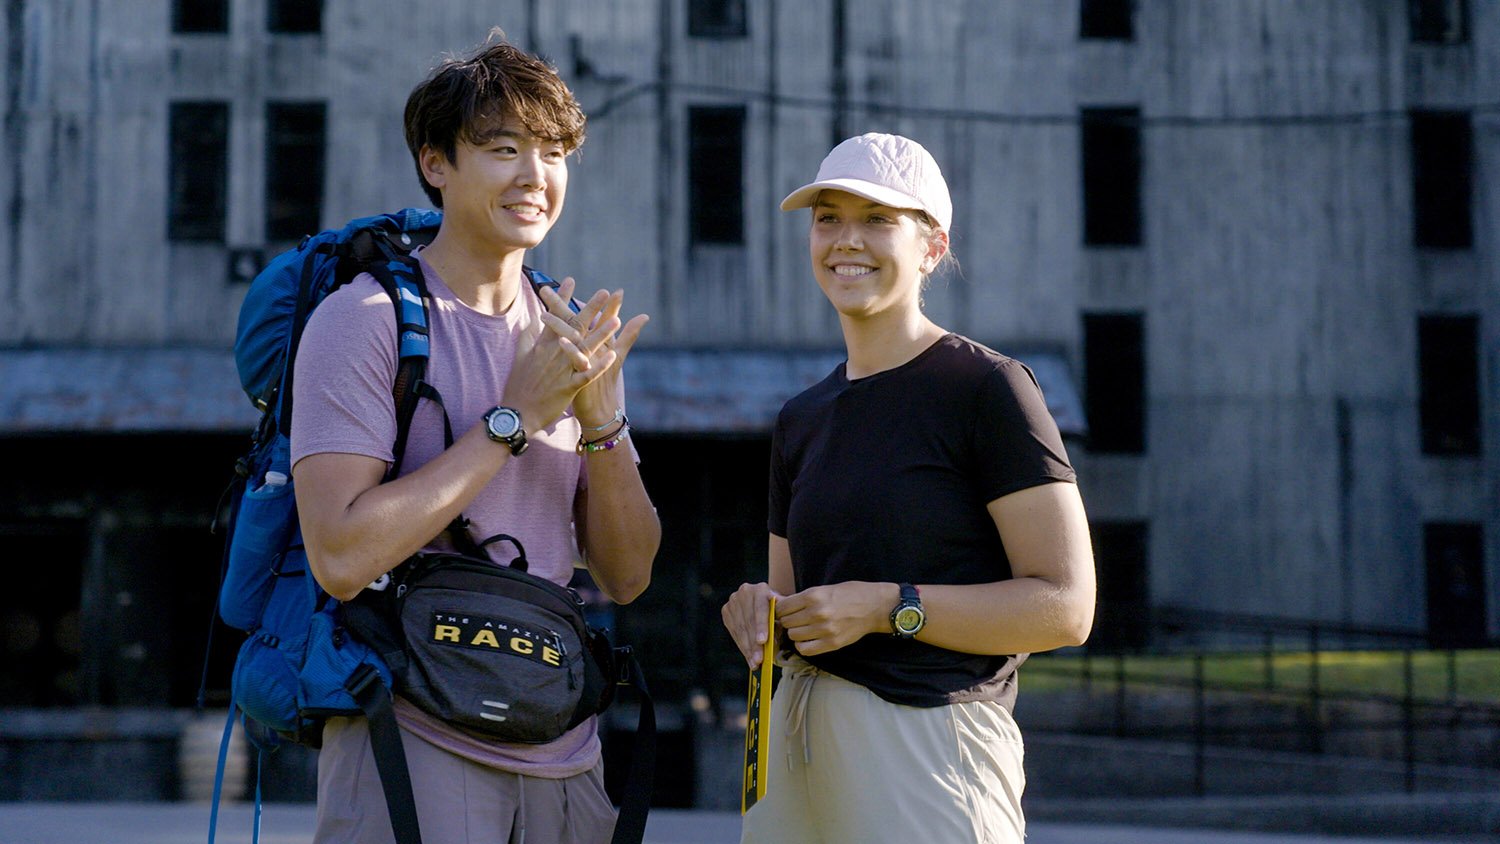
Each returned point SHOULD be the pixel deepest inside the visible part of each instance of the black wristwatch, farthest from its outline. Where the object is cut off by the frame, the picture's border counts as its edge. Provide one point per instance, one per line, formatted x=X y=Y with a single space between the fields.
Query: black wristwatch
x=908 y=618
x=504 y=426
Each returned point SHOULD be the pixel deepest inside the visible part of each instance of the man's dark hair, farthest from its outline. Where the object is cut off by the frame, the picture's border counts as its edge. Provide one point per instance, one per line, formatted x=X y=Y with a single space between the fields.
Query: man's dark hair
x=470 y=100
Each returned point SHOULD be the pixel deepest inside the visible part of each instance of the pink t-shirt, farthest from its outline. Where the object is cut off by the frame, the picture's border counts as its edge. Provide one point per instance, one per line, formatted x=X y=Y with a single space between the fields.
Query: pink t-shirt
x=346 y=363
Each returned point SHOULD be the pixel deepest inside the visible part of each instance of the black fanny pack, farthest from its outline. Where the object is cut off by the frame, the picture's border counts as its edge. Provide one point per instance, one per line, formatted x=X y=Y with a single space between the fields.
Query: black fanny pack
x=490 y=649
x=500 y=653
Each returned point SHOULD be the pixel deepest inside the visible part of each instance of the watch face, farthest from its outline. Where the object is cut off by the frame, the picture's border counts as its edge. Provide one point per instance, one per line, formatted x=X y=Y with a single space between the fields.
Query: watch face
x=908 y=619
x=504 y=423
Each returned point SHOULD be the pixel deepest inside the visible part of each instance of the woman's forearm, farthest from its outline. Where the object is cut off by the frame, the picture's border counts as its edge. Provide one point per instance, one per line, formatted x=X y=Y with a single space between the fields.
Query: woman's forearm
x=1021 y=615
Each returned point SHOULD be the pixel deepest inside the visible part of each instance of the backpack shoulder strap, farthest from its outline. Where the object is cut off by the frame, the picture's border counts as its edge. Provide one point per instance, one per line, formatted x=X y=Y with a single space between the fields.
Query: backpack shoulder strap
x=390 y=756
x=401 y=277
x=635 y=804
x=539 y=279
x=400 y=274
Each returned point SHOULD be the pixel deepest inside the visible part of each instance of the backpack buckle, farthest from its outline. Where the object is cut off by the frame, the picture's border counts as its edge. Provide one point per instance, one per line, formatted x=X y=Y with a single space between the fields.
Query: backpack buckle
x=360 y=680
x=622 y=665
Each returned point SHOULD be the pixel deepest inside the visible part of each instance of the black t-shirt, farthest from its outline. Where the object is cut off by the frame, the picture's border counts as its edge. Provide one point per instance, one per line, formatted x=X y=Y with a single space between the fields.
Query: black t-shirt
x=886 y=479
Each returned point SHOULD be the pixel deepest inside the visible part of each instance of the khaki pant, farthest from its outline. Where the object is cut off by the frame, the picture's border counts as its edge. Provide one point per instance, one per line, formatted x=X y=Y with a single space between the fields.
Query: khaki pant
x=846 y=767
x=458 y=801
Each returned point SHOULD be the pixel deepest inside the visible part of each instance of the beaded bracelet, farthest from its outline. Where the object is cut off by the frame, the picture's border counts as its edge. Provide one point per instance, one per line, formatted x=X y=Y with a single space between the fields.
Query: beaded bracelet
x=618 y=417
x=606 y=443
x=624 y=423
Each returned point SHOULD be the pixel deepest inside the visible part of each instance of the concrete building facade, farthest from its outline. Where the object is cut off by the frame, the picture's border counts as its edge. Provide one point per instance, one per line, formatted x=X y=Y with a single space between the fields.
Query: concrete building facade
x=1248 y=246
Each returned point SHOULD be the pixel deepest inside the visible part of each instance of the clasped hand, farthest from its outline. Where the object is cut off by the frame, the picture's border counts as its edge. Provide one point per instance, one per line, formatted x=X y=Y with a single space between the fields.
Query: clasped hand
x=574 y=360
x=816 y=620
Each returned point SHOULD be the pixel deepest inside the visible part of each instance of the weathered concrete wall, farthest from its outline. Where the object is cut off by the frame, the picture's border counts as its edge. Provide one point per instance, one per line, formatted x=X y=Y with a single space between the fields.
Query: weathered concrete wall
x=1277 y=277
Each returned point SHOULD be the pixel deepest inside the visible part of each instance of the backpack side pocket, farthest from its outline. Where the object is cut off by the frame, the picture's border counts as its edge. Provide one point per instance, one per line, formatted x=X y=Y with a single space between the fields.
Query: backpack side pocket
x=333 y=656
x=264 y=529
x=265 y=680
x=266 y=672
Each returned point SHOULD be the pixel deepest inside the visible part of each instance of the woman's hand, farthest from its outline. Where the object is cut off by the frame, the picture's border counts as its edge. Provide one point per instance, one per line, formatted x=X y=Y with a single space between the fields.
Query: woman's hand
x=745 y=615
x=596 y=403
x=826 y=618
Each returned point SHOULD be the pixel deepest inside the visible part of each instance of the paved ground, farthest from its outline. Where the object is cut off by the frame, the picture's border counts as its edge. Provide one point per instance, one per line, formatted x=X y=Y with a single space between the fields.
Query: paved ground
x=187 y=823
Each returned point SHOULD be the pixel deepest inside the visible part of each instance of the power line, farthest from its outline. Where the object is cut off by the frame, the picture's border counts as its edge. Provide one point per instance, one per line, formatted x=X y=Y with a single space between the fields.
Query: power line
x=1378 y=116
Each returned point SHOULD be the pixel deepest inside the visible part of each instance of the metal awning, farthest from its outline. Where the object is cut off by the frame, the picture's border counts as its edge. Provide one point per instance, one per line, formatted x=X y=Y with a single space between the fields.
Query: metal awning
x=716 y=390
x=678 y=391
x=121 y=391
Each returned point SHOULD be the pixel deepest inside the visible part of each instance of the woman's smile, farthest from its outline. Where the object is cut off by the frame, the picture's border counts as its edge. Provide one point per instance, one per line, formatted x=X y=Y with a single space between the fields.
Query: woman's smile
x=852 y=270
x=867 y=256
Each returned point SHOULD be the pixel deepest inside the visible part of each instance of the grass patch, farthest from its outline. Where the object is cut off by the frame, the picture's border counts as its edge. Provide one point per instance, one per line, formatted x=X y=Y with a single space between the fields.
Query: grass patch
x=1436 y=675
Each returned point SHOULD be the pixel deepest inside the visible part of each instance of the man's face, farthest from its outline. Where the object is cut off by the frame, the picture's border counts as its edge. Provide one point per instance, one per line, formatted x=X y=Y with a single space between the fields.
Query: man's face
x=507 y=191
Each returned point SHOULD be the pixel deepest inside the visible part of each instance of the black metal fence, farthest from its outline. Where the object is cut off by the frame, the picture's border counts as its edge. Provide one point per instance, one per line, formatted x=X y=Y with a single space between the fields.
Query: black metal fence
x=1403 y=721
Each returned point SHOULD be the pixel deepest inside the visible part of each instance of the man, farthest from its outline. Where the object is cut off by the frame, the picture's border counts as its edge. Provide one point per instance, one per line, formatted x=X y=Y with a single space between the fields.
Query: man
x=535 y=399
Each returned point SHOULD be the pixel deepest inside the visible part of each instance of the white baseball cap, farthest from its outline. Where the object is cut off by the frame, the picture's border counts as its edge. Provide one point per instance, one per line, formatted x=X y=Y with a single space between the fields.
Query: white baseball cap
x=887 y=169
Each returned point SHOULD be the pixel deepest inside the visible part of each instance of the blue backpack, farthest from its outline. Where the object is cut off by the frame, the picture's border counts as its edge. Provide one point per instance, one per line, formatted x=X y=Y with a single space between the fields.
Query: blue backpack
x=289 y=675
x=299 y=666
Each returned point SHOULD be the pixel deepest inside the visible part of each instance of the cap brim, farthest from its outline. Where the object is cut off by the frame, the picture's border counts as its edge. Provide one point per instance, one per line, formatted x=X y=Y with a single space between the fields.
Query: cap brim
x=806 y=195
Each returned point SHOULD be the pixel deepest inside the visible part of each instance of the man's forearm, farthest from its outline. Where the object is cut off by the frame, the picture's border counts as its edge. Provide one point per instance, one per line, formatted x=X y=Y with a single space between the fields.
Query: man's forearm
x=621 y=529
x=357 y=528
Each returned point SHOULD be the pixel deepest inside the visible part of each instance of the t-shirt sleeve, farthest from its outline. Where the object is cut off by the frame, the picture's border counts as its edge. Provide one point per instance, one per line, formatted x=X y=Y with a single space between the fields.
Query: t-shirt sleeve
x=1015 y=442
x=341 y=382
x=780 y=497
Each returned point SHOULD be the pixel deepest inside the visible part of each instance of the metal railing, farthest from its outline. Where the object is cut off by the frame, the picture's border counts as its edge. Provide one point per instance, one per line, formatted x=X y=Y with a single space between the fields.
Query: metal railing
x=1305 y=723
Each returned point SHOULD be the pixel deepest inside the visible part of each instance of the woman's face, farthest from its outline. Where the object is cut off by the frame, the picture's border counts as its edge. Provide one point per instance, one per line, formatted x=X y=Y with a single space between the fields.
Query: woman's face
x=869 y=258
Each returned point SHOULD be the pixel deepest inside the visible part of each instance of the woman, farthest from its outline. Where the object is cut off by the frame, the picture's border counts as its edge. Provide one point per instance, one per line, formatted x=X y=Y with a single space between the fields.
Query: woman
x=926 y=534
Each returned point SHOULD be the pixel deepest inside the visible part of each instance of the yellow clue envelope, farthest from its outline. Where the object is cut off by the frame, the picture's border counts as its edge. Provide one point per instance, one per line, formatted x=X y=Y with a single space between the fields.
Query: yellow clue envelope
x=758 y=720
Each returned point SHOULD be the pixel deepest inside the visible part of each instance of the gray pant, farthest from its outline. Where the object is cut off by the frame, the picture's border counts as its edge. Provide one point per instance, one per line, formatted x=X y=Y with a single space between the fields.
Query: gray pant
x=458 y=801
x=845 y=767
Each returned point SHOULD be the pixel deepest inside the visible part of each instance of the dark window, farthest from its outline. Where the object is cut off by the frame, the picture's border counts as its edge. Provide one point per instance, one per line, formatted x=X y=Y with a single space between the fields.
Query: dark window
x=244 y=265
x=188 y=645
x=1115 y=382
x=1448 y=369
x=1111 y=176
x=200 y=15
x=295 y=16
x=714 y=523
x=295 y=134
x=1442 y=151
x=1439 y=21
x=1122 y=620
x=713 y=516
x=41 y=634
x=1455 y=584
x=1106 y=19
x=716 y=153
x=198 y=145
x=716 y=18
